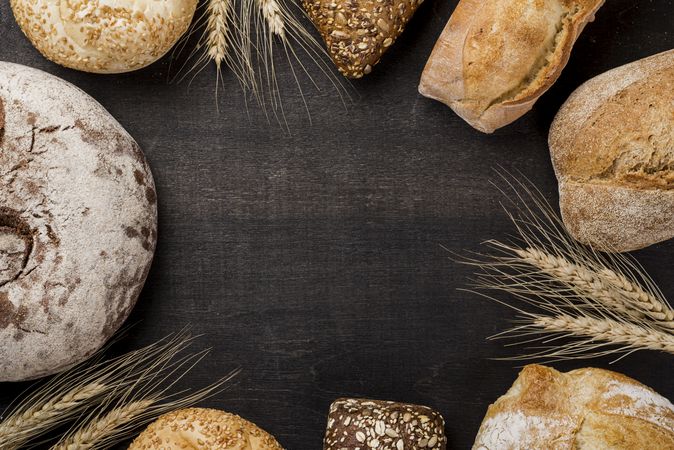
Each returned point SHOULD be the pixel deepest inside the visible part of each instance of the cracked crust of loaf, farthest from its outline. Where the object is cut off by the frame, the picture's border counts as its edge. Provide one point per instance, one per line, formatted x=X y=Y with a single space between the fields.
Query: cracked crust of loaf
x=494 y=59
x=203 y=429
x=93 y=36
x=612 y=147
x=582 y=409
x=77 y=224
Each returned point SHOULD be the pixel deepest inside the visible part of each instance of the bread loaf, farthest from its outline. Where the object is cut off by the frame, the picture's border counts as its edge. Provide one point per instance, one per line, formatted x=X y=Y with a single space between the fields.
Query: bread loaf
x=355 y=423
x=494 y=59
x=358 y=32
x=585 y=409
x=103 y=36
x=612 y=147
x=203 y=429
x=78 y=225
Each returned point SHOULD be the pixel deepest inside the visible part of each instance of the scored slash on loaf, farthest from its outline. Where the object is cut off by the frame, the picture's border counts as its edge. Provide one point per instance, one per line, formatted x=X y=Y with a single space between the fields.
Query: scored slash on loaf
x=358 y=32
x=383 y=425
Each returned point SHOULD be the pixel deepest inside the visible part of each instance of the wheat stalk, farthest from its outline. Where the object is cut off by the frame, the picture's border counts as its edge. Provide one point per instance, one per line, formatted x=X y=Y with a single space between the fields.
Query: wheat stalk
x=21 y=427
x=89 y=436
x=271 y=11
x=216 y=30
x=605 y=303
x=627 y=335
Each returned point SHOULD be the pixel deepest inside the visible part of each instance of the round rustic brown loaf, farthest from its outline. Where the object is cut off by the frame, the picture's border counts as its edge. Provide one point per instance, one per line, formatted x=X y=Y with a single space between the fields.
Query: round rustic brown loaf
x=77 y=223
x=203 y=429
x=585 y=409
x=612 y=146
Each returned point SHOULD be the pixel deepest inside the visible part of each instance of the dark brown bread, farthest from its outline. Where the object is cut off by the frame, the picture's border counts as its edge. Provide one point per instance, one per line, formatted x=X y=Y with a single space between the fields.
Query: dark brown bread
x=358 y=32
x=383 y=425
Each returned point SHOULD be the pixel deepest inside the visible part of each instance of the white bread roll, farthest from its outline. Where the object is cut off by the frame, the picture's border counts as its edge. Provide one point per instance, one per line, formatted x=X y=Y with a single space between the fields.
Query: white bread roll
x=612 y=147
x=495 y=58
x=585 y=409
x=104 y=36
x=203 y=429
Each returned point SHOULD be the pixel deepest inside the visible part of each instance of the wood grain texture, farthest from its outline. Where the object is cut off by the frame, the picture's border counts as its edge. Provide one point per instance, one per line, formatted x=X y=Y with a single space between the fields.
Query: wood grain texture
x=313 y=261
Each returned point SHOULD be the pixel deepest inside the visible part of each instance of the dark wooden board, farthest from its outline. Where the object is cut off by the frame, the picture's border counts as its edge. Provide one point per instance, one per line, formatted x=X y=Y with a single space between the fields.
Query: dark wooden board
x=313 y=260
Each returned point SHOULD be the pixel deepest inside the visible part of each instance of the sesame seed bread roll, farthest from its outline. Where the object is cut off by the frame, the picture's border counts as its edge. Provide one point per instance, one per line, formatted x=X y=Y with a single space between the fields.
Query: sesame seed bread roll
x=612 y=147
x=495 y=58
x=585 y=409
x=104 y=36
x=203 y=429
x=358 y=32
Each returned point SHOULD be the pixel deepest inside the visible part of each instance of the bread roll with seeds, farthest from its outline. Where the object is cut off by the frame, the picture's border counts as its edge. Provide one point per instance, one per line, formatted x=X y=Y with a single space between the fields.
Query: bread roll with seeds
x=612 y=146
x=383 y=425
x=203 y=429
x=494 y=59
x=104 y=36
x=78 y=224
x=358 y=32
x=585 y=409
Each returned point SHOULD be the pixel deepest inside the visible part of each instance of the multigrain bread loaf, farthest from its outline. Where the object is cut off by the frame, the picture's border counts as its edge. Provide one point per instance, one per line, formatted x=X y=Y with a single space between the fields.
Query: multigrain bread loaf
x=78 y=223
x=104 y=36
x=203 y=429
x=494 y=59
x=612 y=146
x=355 y=423
x=585 y=409
x=358 y=32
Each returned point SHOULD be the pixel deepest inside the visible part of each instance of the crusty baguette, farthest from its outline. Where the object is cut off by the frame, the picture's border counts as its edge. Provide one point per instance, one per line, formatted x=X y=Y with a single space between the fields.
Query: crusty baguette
x=612 y=147
x=585 y=409
x=494 y=59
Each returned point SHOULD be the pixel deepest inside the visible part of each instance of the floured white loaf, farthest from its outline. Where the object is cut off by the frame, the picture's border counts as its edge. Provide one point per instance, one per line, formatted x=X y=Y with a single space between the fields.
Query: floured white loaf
x=585 y=409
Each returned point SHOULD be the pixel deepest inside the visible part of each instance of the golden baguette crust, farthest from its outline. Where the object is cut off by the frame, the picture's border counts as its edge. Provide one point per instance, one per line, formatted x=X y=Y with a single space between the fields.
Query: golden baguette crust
x=581 y=410
x=612 y=147
x=203 y=429
x=494 y=59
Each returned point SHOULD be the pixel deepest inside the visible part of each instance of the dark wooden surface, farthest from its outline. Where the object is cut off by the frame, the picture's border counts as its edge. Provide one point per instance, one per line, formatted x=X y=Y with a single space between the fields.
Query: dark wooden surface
x=313 y=261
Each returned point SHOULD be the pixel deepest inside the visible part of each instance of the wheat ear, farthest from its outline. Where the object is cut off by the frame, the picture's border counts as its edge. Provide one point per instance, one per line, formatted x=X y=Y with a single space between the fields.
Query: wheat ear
x=95 y=432
x=628 y=335
x=19 y=428
x=271 y=11
x=572 y=284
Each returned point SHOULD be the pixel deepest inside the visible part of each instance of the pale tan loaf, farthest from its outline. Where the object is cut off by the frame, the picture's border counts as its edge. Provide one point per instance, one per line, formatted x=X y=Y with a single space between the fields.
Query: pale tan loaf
x=585 y=409
x=612 y=147
x=203 y=429
x=495 y=59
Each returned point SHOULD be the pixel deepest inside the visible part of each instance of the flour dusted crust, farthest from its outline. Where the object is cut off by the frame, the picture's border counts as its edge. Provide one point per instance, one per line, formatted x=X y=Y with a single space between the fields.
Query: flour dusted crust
x=77 y=223
x=494 y=59
x=584 y=409
x=104 y=36
x=612 y=146
x=203 y=429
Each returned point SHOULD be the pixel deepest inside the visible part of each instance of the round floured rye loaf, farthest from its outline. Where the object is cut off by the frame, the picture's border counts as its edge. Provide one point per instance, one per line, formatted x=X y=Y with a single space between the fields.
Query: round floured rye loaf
x=77 y=223
x=585 y=409
x=612 y=147
x=203 y=429
x=104 y=36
